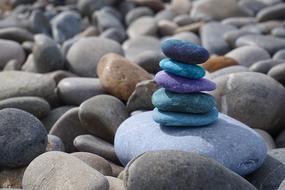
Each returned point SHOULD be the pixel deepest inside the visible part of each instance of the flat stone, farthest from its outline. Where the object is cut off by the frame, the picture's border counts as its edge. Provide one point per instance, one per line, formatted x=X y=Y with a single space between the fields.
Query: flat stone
x=26 y=135
x=102 y=115
x=243 y=96
x=244 y=148
x=34 y=105
x=270 y=43
x=143 y=26
x=184 y=51
x=212 y=37
x=191 y=71
x=155 y=5
x=274 y=12
x=167 y=118
x=186 y=103
x=10 y=50
x=68 y=173
x=271 y=174
x=74 y=91
x=277 y=72
x=143 y=172
x=248 y=55
x=135 y=46
x=59 y=75
x=141 y=97
x=119 y=76
x=218 y=62
x=240 y=21
x=95 y=161
x=95 y=145
x=178 y=84
x=67 y=128
x=84 y=55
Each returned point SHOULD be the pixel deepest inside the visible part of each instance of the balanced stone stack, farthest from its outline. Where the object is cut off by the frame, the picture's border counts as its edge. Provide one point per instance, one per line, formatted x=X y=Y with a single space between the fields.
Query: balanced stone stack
x=180 y=102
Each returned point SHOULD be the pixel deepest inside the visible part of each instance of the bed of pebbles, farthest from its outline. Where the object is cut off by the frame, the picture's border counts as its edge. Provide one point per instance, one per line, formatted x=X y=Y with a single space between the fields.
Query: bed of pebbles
x=142 y=94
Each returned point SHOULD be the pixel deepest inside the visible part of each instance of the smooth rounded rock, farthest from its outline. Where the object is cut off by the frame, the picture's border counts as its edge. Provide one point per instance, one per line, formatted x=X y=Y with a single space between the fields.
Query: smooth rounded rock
x=143 y=26
x=87 y=7
x=270 y=144
x=55 y=144
x=95 y=145
x=218 y=62
x=167 y=118
x=187 y=36
x=149 y=60
x=115 y=183
x=274 y=12
x=279 y=55
x=46 y=55
x=244 y=96
x=248 y=55
x=174 y=83
x=26 y=137
x=186 y=103
x=74 y=91
x=264 y=66
x=119 y=76
x=277 y=72
x=95 y=161
x=137 y=13
x=280 y=140
x=191 y=71
x=271 y=174
x=16 y=34
x=102 y=115
x=184 y=51
x=84 y=55
x=67 y=128
x=244 y=148
x=34 y=105
x=228 y=70
x=180 y=171
x=68 y=172
x=11 y=178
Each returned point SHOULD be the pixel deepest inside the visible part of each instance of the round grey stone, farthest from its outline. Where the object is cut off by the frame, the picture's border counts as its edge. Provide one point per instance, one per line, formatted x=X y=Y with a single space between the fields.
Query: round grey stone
x=137 y=13
x=278 y=73
x=143 y=26
x=264 y=66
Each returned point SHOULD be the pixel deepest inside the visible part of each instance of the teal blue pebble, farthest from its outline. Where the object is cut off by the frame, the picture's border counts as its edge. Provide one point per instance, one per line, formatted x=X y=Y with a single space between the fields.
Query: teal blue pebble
x=187 y=70
x=184 y=119
x=197 y=102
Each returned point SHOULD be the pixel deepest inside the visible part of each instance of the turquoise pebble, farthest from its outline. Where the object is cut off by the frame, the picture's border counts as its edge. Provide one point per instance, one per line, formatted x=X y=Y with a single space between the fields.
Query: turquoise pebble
x=183 y=119
x=186 y=103
x=187 y=70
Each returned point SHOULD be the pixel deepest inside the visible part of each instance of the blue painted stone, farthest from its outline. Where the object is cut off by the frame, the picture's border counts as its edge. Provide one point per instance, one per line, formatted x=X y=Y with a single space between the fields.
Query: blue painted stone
x=184 y=119
x=190 y=71
x=184 y=51
x=228 y=141
x=186 y=103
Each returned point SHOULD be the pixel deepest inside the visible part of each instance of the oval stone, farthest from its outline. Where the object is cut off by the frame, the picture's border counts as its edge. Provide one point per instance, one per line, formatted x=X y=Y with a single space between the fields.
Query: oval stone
x=184 y=51
x=187 y=103
x=178 y=84
x=190 y=71
x=184 y=119
x=228 y=141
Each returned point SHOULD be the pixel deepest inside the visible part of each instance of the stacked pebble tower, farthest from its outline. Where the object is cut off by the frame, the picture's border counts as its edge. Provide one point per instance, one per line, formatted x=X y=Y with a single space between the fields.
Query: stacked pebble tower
x=181 y=101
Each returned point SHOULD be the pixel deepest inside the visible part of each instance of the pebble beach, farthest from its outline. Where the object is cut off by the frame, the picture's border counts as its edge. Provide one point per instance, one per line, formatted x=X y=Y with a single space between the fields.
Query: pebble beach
x=142 y=95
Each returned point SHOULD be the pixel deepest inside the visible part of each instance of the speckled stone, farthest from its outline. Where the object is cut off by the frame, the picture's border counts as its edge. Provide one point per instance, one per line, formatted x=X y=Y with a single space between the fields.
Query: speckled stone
x=184 y=51
x=190 y=71
x=178 y=84
x=228 y=141
x=186 y=103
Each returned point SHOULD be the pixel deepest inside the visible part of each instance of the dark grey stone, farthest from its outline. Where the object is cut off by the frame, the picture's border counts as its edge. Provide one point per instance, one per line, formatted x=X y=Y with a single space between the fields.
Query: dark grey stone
x=39 y=23
x=105 y=20
x=274 y=12
x=54 y=144
x=102 y=115
x=264 y=66
x=16 y=34
x=116 y=34
x=87 y=7
x=67 y=127
x=149 y=60
x=33 y=105
x=271 y=174
x=95 y=145
x=23 y=137
x=177 y=170
x=278 y=32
